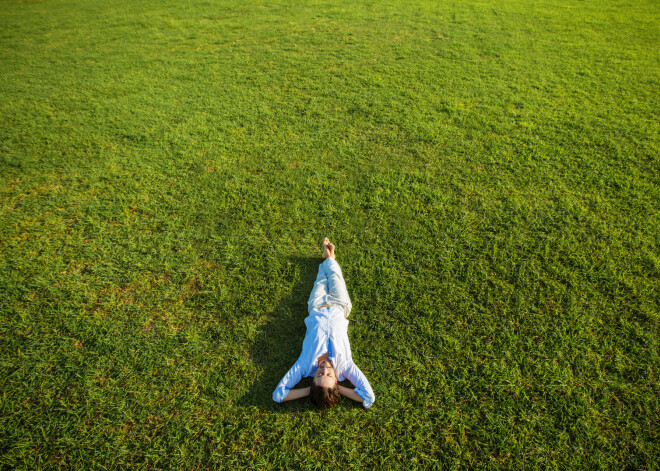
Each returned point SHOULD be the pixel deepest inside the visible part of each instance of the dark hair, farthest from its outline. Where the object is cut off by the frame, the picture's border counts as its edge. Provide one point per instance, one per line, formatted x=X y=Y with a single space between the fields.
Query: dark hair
x=323 y=397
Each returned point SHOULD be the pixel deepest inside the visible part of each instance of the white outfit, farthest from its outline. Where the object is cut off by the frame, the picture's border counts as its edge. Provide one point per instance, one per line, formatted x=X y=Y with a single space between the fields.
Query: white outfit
x=327 y=331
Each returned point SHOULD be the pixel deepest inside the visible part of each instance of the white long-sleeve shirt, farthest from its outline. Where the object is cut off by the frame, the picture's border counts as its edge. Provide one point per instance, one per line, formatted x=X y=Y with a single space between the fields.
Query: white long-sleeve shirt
x=327 y=331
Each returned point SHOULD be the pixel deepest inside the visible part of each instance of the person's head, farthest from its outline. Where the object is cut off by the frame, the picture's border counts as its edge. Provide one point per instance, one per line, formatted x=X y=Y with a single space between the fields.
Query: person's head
x=324 y=392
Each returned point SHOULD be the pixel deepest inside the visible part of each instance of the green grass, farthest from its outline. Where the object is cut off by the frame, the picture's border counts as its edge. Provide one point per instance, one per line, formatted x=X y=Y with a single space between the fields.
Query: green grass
x=488 y=171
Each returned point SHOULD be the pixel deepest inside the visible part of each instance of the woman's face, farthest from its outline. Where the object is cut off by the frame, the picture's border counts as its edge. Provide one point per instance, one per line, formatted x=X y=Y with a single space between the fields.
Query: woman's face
x=325 y=375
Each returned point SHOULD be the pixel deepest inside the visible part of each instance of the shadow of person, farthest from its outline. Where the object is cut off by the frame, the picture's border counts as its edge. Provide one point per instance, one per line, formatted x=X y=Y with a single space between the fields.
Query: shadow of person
x=278 y=342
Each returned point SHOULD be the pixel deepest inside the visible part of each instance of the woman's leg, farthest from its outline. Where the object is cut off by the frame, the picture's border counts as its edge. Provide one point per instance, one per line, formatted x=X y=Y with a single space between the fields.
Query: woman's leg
x=330 y=287
x=337 y=292
x=319 y=290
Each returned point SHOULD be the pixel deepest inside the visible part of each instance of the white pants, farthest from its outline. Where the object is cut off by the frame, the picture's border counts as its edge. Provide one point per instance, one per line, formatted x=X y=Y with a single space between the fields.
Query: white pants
x=330 y=288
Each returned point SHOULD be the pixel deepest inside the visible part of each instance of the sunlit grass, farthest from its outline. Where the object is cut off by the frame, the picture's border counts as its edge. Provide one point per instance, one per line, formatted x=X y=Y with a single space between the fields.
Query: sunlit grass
x=487 y=170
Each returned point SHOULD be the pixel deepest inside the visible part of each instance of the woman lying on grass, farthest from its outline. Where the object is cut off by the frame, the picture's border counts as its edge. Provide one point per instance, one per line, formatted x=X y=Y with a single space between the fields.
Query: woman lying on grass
x=326 y=353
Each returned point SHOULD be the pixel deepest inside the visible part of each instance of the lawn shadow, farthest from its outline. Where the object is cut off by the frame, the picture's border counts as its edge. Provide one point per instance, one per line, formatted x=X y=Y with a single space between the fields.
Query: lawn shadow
x=278 y=342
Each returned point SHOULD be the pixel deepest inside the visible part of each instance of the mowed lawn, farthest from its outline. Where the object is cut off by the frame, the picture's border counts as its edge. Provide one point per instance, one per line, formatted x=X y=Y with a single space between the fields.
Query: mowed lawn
x=489 y=172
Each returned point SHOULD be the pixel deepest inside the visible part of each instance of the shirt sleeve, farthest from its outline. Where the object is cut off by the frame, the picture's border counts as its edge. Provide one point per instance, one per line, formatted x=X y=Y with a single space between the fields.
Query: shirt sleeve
x=289 y=380
x=362 y=386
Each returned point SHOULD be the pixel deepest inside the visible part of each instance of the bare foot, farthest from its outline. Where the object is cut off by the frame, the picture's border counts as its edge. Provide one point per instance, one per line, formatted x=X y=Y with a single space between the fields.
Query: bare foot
x=328 y=249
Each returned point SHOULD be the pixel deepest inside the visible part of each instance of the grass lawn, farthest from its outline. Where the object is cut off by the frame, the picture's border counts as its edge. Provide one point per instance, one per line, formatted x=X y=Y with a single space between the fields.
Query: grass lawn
x=489 y=172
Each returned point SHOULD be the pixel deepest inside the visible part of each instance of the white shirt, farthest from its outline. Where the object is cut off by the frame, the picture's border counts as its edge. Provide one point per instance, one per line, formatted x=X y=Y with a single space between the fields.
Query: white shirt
x=327 y=331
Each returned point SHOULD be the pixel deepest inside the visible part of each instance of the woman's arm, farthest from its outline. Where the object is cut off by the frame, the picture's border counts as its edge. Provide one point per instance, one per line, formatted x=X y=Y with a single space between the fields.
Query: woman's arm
x=362 y=386
x=296 y=394
x=289 y=380
x=349 y=393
